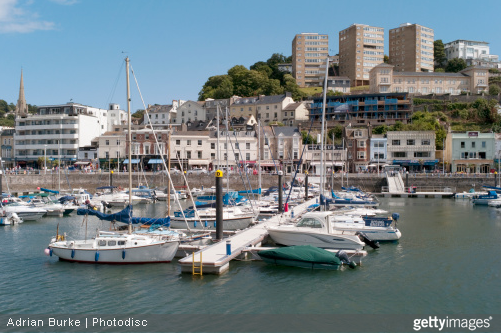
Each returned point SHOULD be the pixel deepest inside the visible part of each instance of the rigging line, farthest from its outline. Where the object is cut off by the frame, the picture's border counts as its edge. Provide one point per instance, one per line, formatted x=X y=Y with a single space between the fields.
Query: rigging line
x=245 y=168
x=239 y=171
x=159 y=149
x=114 y=88
x=298 y=164
x=269 y=149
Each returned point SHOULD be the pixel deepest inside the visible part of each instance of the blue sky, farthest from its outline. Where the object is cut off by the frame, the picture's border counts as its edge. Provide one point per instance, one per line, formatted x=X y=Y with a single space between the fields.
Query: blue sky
x=72 y=49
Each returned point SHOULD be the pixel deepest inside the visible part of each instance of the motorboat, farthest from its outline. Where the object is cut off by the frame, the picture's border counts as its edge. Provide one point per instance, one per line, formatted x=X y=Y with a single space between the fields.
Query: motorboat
x=115 y=248
x=306 y=256
x=317 y=229
x=113 y=197
x=10 y=219
x=484 y=199
x=27 y=213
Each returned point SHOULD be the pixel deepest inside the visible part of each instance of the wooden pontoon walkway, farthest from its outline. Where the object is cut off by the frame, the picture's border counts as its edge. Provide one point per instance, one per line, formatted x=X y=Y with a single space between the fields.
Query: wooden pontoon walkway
x=214 y=257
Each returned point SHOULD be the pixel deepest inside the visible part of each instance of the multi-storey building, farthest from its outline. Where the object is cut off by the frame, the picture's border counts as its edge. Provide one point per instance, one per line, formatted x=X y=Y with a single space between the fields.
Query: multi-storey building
x=378 y=152
x=414 y=150
x=111 y=150
x=212 y=105
x=116 y=116
x=7 y=141
x=384 y=79
x=470 y=152
x=357 y=147
x=339 y=84
x=310 y=52
x=474 y=52
x=189 y=111
x=334 y=159
x=361 y=48
x=373 y=109
x=57 y=131
x=242 y=107
x=411 y=48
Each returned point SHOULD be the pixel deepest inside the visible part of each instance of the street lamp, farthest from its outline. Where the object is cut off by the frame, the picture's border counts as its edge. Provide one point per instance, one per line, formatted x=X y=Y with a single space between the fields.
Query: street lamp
x=45 y=159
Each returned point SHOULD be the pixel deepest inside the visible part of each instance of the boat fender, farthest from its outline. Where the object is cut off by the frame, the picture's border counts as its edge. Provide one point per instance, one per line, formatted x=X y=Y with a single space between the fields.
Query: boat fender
x=123 y=254
x=352 y=265
x=206 y=224
x=395 y=216
x=50 y=252
x=72 y=253
x=195 y=224
x=364 y=238
x=47 y=251
x=214 y=224
x=96 y=257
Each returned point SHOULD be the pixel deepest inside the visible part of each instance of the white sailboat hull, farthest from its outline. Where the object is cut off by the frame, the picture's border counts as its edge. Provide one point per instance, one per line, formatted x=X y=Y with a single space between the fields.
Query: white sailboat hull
x=160 y=252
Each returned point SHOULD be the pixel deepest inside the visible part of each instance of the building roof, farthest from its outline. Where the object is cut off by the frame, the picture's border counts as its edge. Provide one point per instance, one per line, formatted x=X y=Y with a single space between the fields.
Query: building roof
x=272 y=99
x=245 y=100
x=159 y=108
x=285 y=130
x=292 y=106
x=437 y=74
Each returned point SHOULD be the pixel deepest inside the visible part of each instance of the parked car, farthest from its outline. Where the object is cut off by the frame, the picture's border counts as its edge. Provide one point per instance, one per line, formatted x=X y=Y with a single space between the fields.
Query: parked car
x=197 y=171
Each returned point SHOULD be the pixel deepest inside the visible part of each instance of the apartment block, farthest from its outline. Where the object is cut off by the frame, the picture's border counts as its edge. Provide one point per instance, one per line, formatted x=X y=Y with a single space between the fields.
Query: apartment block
x=411 y=48
x=384 y=79
x=414 y=150
x=470 y=152
x=361 y=48
x=310 y=52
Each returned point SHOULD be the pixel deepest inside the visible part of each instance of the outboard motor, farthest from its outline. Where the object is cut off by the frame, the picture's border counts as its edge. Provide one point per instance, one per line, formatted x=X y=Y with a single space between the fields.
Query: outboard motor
x=395 y=216
x=343 y=256
x=106 y=205
x=364 y=238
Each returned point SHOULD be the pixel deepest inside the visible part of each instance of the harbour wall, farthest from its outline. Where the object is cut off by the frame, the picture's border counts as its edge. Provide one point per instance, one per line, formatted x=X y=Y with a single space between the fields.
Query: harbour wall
x=28 y=183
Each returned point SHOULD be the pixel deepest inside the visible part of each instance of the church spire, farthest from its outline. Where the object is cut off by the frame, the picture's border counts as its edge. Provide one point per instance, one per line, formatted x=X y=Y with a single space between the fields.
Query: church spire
x=21 y=107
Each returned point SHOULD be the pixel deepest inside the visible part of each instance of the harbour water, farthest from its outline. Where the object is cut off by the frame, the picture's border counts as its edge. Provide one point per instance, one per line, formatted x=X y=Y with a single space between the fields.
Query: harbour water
x=447 y=262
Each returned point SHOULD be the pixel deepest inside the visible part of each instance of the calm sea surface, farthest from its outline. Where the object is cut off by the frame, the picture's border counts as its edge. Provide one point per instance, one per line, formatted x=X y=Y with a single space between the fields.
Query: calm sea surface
x=448 y=261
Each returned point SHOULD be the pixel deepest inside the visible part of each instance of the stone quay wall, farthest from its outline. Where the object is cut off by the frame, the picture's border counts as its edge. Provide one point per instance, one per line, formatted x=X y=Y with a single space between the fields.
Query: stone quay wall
x=28 y=183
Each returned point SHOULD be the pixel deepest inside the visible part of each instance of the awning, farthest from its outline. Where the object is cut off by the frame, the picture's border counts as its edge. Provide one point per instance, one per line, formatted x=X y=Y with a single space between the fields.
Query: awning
x=198 y=162
x=82 y=163
x=134 y=161
x=270 y=164
x=155 y=161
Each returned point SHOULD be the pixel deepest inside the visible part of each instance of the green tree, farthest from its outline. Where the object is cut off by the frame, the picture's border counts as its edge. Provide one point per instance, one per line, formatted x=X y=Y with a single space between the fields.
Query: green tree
x=218 y=86
x=138 y=114
x=494 y=89
x=263 y=67
x=337 y=133
x=308 y=138
x=4 y=106
x=439 y=54
x=292 y=87
x=381 y=129
x=455 y=65
x=386 y=59
x=439 y=70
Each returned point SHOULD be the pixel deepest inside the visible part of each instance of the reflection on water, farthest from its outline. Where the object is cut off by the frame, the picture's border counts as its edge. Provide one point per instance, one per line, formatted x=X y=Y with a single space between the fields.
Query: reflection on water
x=446 y=262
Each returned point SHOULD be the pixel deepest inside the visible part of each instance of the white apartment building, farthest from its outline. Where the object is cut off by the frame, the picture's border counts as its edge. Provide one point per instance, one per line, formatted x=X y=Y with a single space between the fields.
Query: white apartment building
x=189 y=111
x=57 y=131
x=414 y=150
x=467 y=49
x=116 y=116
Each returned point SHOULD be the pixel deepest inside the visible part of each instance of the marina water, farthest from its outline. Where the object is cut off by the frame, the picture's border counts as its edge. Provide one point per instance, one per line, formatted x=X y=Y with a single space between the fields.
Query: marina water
x=447 y=262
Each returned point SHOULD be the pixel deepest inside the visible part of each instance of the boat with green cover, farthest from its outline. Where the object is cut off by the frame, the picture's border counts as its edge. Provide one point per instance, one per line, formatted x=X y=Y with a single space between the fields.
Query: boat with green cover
x=306 y=256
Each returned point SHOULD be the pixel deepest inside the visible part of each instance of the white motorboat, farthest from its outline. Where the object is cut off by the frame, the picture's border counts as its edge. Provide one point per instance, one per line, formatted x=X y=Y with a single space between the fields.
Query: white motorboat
x=316 y=229
x=234 y=218
x=115 y=248
x=10 y=219
x=112 y=197
x=27 y=213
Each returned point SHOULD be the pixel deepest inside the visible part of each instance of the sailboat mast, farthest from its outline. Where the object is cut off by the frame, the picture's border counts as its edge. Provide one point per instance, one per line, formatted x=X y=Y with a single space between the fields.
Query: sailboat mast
x=168 y=169
x=227 y=156
x=129 y=138
x=322 y=166
x=217 y=137
x=259 y=156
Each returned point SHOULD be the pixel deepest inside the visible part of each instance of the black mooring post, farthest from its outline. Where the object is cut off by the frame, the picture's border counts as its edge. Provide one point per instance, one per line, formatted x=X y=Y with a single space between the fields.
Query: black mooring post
x=111 y=178
x=219 y=205
x=280 y=193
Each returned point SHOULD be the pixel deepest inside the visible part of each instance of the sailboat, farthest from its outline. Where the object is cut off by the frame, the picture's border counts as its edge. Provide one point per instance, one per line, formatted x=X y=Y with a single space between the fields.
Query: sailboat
x=110 y=247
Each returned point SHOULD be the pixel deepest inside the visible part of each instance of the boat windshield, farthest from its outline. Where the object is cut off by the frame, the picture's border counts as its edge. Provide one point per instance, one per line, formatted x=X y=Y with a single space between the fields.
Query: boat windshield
x=309 y=223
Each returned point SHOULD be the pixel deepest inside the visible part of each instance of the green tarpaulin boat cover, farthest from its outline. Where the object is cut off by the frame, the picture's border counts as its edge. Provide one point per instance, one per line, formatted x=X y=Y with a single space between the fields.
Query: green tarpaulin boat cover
x=302 y=253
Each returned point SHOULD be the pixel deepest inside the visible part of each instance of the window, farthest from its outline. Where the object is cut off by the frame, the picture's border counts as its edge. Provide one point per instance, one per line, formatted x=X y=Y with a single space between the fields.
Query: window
x=462 y=144
x=395 y=142
x=188 y=154
x=178 y=142
x=199 y=142
x=473 y=144
x=121 y=242
x=188 y=142
x=422 y=154
x=361 y=155
x=112 y=243
x=399 y=154
x=247 y=145
x=411 y=142
x=425 y=142
x=360 y=143
x=483 y=144
x=107 y=142
x=237 y=145
x=247 y=156
x=212 y=145
x=309 y=223
x=358 y=134
x=199 y=154
x=101 y=243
